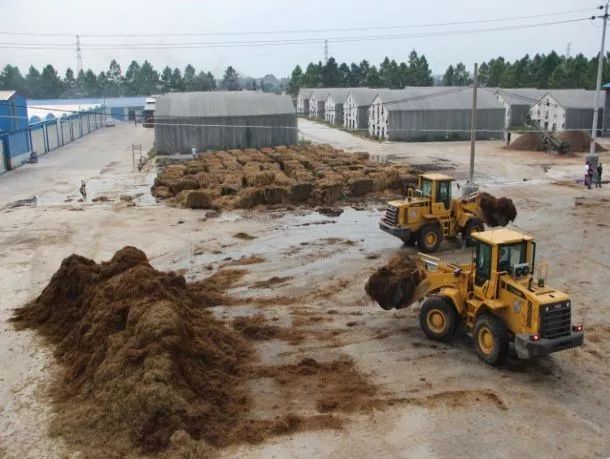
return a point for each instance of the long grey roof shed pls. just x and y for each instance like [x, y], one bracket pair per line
[223, 120]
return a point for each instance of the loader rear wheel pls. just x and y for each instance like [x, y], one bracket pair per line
[429, 238]
[474, 225]
[438, 318]
[491, 339]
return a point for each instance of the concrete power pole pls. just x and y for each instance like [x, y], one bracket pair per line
[325, 51]
[600, 65]
[470, 187]
[79, 57]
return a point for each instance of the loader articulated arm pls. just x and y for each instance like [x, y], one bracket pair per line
[442, 275]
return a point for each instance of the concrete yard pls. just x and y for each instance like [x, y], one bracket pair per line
[447, 402]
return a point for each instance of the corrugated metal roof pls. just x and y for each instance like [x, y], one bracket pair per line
[305, 93]
[437, 98]
[222, 103]
[521, 96]
[339, 95]
[110, 102]
[319, 93]
[363, 96]
[5, 95]
[576, 98]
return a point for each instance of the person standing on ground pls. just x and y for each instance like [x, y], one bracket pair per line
[599, 176]
[508, 138]
[590, 175]
[194, 152]
[83, 189]
[587, 169]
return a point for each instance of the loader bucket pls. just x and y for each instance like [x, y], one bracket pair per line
[393, 285]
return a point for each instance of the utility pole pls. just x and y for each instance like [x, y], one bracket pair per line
[600, 65]
[568, 50]
[470, 187]
[79, 57]
[325, 51]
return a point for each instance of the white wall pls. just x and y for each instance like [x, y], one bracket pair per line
[549, 114]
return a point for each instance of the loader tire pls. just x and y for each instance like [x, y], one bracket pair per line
[438, 318]
[429, 238]
[474, 225]
[491, 339]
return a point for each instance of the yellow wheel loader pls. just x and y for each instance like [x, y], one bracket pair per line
[497, 297]
[429, 214]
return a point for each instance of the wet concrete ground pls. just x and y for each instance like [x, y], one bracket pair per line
[452, 404]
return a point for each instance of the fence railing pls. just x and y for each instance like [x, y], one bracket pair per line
[45, 136]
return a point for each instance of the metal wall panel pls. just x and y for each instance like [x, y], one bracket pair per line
[66, 131]
[52, 135]
[38, 140]
[277, 130]
[2, 159]
[77, 131]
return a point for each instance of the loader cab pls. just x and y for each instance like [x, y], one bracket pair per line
[437, 188]
[497, 252]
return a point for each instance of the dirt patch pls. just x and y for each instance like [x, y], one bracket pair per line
[460, 399]
[101, 198]
[244, 236]
[393, 284]
[257, 328]
[329, 211]
[300, 174]
[335, 386]
[251, 260]
[271, 282]
[497, 211]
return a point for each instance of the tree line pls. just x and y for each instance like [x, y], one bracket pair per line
[137, 80]
[390, 74]
[545, 71]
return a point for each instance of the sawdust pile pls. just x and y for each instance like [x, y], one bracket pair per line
[393, 285]
[578, 141]
[300, 174]
[497, 211]
[529, 141]
[142, 358]
[147, 368]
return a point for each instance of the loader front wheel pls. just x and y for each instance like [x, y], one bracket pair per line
[473, 226]
[438, 318]
[491, 339]
[429, 238]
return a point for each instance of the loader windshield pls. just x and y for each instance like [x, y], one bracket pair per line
[426, 187]
[510, 255]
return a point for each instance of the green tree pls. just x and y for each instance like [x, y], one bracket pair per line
[449, 76]
[69, 84]
[312, 78]
[296, 79]
[423, 74]
[147, 81]
[132, 76]
[32, 80]
[330, 74]
[166, 79]
[114, 84]
[372, 79]
[102, 85]
[461, 77]
[11, 78]
[50, 84]
[90, 87]
[345, 75]
[356, 77]
[190, 77]
[230, 79]
[497, 68]
[176, 82]
[483, 76]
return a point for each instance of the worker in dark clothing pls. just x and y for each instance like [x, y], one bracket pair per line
[83, 189]
[598, 183]
[508, 138]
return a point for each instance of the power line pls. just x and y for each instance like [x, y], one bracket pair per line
[303, 31]
[257, 43]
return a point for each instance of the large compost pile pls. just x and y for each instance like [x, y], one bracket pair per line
[393, 285]
[300, 174]
[497, 211]
[142, 358]
[578, 141]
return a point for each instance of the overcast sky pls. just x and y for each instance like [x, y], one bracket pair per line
[203, 16]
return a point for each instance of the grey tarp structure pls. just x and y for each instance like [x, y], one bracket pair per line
[429, 113]
[223, 120]
[303, 101]
[518, 102]
[578, 104]
[333, 112]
